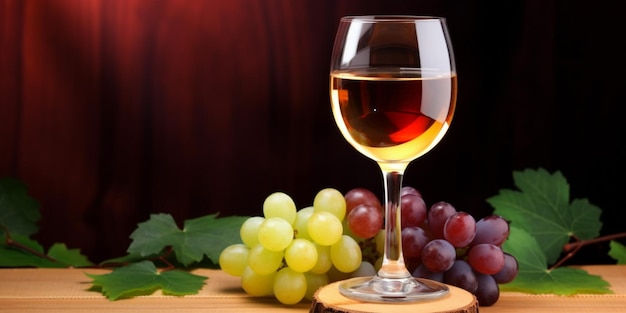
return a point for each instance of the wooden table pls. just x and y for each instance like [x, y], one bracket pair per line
[67, 291]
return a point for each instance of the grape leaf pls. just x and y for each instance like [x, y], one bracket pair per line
[205, 235]
[19, 213]
[70, 257]
[128, 258]
[542, 207]
[158, 259]
[618, 252]
[143, 278]
[534, 277]
[12, 256]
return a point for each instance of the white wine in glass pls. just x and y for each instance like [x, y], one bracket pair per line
[393, 89]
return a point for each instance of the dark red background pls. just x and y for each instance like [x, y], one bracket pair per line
[114, 109]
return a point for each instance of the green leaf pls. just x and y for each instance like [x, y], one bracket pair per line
[129, 258]
[143, 278]
[542, 207]
[207, 235]
[69, 257]
[618, 252]
[12, 256]
[19, 212]
[156, 258]
[534, 277]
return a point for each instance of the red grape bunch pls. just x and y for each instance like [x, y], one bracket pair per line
[439, 243]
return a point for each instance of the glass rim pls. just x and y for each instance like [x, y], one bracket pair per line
[391, 18]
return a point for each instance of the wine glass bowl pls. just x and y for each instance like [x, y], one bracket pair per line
[393, 90]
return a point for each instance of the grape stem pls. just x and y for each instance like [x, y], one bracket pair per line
[163, 258]
[12, 243]
[573, 247]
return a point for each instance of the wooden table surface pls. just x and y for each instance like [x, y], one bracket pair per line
[67, 291]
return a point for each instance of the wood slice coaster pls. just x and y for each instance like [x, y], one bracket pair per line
[328, 300]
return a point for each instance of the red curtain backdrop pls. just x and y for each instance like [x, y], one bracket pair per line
[114, 109]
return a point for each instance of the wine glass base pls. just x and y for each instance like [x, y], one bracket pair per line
[377, 289]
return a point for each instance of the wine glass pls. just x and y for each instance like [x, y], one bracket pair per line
[393, 92]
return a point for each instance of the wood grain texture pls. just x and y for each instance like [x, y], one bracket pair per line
[68, 290]
[328, 300]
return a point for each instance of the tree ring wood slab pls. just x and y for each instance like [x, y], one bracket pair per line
[328, 300]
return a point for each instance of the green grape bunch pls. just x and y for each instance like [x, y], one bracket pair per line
[289, 253]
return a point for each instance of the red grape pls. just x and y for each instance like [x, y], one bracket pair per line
[413, 210]
[508, 271]
[437, 217]
[365, 221]
[438, 255]
[407, 190]
[413, 241]
[491, 229]
[461, 275]
[459, 229]
[423, 272]
[357, 196]
[488, 291]
[486, 258]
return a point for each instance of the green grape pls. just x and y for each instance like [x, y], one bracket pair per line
[264, 261]
[379, 263]
[256, 284]
[380, 241]
[289, 286]
[301, 255]
[300, 225]
[323, 259]
[234, 259]
[249, 231]
[324, 228]
[335, 275]
[313, 283]
[364, 269]
[279, 204]
[368, 249]
[346, 254]
[332, 201]
[346, 229]
[275, 234]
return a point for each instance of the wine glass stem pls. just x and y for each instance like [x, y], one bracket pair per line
[393, 262]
